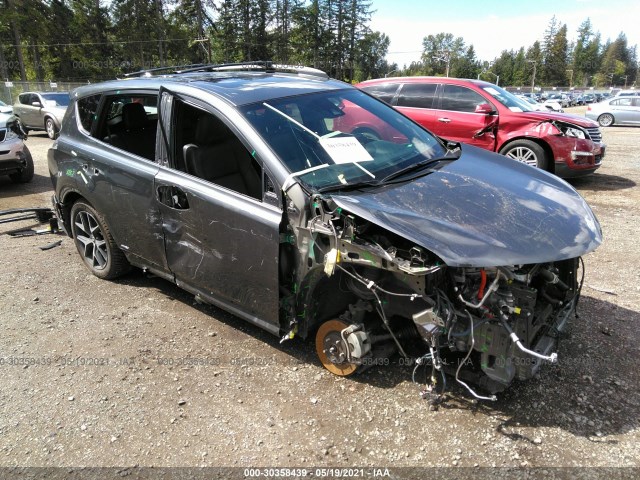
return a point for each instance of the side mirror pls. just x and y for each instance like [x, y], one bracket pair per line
[484, 108]
[36, 104]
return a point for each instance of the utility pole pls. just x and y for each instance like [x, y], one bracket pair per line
[445, 55]
[570, 78]
[206, 44]
[533, 79]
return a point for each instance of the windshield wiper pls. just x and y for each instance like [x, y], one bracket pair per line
[349, 186]
[453, 153]
[414, 167]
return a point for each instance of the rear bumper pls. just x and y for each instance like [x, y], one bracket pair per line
[58, 207]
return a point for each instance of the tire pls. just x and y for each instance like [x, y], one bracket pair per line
[95, 244]
[50, 128]
[527, 151]
[25, 175]
[606, 120]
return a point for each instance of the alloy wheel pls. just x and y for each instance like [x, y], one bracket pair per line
[524, 155]
[90, 240]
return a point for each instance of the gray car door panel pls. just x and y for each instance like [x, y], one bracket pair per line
[120, 186]
[221, 244]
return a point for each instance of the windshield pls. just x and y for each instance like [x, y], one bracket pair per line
[341, 138]
[56, 99]
[507, 99]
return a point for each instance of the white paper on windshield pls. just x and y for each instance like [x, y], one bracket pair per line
[345, 149]
[515, 109]
[492, 91]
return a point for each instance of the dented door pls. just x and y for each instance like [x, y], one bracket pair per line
[222, 244]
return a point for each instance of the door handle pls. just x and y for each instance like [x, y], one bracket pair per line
[444, 120]
[173, 197]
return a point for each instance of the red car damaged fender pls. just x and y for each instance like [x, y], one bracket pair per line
[487, 116]
[572, 156]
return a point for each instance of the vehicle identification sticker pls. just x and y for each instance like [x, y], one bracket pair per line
[345, 149]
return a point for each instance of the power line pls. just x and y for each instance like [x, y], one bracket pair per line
[123, 42]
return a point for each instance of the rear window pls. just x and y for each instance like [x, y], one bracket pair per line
[417, 95]
[384, 91]
[56, 99]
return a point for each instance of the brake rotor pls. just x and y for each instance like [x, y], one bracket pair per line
[331, 349]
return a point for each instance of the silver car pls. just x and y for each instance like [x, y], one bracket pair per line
[15, 158]
[42, 110]
[616, 111]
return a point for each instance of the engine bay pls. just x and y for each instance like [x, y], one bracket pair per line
[368, 294]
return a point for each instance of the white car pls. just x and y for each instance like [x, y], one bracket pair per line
[4, 108]
[537, 107]
[553, 104]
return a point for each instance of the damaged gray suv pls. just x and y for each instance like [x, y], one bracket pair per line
[311, 209]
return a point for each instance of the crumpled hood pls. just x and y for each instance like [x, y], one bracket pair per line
[483, 210]
[543, 116]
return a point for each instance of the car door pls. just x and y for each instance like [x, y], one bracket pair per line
[221, 241]
[623, 110]
[29, 112]
[456, 118]
[416, 101]
[116, 175]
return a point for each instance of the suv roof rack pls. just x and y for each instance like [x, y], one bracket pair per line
[258, 65]
[172, 69]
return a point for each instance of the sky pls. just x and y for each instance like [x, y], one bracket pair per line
[492, 26]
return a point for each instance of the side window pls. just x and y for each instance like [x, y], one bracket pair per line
[622, 102]
[87, 108]
[418, 95]
[460, 99]
[24, 98]
[207, 148]
[129, 122]
[384, 91]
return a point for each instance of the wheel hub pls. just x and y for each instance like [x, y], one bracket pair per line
[332, 350]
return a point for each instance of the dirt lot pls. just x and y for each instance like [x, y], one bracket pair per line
[183, 384]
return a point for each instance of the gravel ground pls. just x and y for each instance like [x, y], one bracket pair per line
[135, 373]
